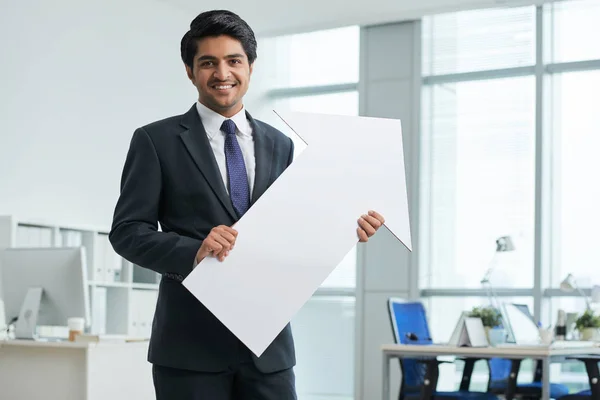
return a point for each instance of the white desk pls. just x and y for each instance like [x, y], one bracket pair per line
[74, 371]
[545, 354]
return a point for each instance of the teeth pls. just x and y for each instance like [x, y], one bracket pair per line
[223, 87]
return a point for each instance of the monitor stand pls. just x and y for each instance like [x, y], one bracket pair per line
[26, 325]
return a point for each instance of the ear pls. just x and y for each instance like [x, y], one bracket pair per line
[251, 68]
[189, 72]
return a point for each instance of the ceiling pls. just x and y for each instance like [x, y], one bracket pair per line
[278, 17]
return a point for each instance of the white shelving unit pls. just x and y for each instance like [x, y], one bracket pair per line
[122, 295]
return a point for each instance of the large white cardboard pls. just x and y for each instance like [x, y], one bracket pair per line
[301, 228]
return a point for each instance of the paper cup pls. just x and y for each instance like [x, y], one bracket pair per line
[76, 326]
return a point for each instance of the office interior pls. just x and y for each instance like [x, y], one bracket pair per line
[500, 125]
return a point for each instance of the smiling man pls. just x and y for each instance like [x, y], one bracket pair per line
[196, 174]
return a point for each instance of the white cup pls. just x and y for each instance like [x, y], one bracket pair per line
[76, 326]
[546, 336]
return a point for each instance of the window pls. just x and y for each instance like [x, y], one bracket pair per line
[571, 27]
[491, 154]
[479, 150]
[311, 60]
[576, 131]
[478, 40]
[343, 103]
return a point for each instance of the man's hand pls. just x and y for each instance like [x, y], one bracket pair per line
[368, 225]
[219, 243]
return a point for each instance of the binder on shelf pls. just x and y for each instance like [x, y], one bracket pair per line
[71, 238]
[143, 303]
[99, 310]
[33, 236]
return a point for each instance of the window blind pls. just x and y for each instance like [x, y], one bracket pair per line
[478, 40]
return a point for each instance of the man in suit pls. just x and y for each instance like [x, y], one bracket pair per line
[196, 174]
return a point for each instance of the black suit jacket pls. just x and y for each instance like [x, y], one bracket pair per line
[171, 177]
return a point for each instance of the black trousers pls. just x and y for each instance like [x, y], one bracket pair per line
[242, 382]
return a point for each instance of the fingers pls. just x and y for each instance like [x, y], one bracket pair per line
[378, 216]
[227, 233]
[362, 235]
[227, 236]
[374, 222]
[368, 224]
[211, 245]
[221, 241]
[225, 246]
[227, 229]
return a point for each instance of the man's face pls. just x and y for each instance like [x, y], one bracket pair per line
[221, 74]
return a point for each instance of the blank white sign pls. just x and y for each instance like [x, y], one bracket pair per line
[293, 237]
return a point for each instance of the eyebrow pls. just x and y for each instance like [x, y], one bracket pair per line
[211, 58]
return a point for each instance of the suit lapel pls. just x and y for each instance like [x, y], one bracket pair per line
[196, 141]
[263, 154]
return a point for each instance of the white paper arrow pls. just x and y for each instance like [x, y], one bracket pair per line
[302, 227]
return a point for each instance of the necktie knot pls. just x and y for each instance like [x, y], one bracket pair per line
[228, 127]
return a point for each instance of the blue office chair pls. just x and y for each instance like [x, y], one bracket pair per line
[593, 372]
[420, 376]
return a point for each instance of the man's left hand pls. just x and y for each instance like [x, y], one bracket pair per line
[368, 224]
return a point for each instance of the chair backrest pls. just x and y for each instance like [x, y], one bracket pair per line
[409, 326]
[499, 372]
[409, 321]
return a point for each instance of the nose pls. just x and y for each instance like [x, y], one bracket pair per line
[222, 72]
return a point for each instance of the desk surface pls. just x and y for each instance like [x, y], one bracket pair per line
[504, 351]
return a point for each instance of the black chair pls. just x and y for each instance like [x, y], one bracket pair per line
[591, 366]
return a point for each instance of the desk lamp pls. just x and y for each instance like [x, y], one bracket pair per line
[503, 244]
[569, 284]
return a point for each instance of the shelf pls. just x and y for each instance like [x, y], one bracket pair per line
[111, 284]
[151, 286]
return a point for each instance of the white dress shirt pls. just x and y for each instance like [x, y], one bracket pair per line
[212, 122]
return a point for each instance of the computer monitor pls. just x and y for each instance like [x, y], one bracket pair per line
[520, 324]
[43, 287]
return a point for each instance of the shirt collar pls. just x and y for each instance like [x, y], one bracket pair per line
[212, 121]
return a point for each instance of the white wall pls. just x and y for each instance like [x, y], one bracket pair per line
[77, 79]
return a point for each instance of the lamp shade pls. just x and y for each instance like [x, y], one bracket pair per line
[568, 284]
[504, 243]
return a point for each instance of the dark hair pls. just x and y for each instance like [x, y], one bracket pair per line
[216, 23]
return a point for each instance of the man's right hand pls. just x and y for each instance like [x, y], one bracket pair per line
[219, 243]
